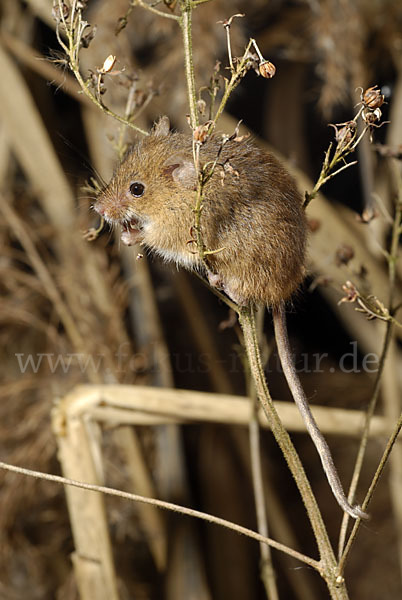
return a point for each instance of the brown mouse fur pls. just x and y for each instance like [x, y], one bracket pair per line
[251, 209]
[252, 213]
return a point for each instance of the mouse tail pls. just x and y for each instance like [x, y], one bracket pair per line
[301, 401]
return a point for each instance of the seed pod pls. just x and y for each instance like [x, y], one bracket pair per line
[371, 116]
[372, 98]
[109, 63]
[201, 106]
[267, 69]
[200, 133]
[60, 11]
[346, 134]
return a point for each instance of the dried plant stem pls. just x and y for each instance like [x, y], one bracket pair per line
[392, 259]
[267, 572]
[370, 493]
[42, 272]
[154, 10]
[166, 505]
[186, 8]
[342, 150]
[266, 567]
[364, 438]
[327, 558]
[237, 76]
[74, 31]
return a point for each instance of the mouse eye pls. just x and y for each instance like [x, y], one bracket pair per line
[137, 189]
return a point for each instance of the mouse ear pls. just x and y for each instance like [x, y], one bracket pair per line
[181, 170]
[161, 127]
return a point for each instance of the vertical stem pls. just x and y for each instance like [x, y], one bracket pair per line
[186, 27]
[267, 570]
[337, 588]
[370, 492]
[392, 258]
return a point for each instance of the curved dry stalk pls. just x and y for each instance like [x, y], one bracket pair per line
[166, 505]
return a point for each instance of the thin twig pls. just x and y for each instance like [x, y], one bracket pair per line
[369, 494]
[154, 10]
[266, 566]
[185, 24]
[74, 32]
[166, 505]
[392, 257]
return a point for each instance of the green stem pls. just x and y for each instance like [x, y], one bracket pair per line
[328, 563]
[186, 27]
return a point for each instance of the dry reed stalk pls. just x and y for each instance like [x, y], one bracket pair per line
[123, 404]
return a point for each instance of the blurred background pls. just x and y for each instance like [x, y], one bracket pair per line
[75, 311]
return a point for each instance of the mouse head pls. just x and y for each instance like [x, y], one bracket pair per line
[153, 185]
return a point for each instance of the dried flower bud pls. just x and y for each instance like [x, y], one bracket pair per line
[267, 69]
[371, 116]
[200, 133]
[351, 293]
[60, 11]
[201, 106]
[88, 37]
[171, 4]
[372, 98]
[139, 98]
[108, 65]
[346, 134]
[344, 255]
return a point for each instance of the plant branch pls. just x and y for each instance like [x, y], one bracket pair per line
[266, 567]
[74, 30]
[327, 558]
[186, 27]
[154, 10]
[166, 505]
[370, 493]
[392, 256]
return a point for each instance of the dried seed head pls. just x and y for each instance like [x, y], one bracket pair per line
[351, 293]
[267, 69]
[60, 11]
[88, 37]
[200, 133]
[201, 106]
[371, 117]
[108, 65]
[346, 134]
[372, 98]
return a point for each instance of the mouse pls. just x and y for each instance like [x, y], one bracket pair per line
[252, 225]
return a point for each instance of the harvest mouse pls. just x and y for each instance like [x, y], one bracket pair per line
[252, 220]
